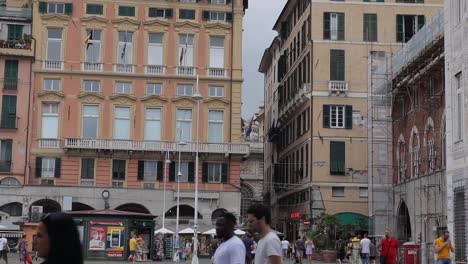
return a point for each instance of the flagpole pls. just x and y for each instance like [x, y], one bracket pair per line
[197, 96]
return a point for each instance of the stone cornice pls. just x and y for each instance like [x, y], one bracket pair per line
[51, 95]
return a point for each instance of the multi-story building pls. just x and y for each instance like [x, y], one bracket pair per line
[322, 75]
[456, 83]
[115, 96]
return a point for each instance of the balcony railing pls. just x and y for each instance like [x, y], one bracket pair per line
[155, 69]
[216, 72]
[91, 66]
[53, 65]
[49, 143]
[183, 70]
[137, 145]
[298, 99]
[337, 86]
[10, 84]
[124, 68]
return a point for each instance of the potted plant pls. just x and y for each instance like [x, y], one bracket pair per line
[27, 40]
[324, 237]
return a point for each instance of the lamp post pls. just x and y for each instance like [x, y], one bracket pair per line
[179, 174]
[197, 97]
[166, 162]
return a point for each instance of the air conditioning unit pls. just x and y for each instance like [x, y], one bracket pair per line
[47, 181]
[36, 213]
[148, 185]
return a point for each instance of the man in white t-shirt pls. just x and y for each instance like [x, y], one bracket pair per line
[365, 249]
[269, 247]
[3, 247]
[232, 249]
[284, 247]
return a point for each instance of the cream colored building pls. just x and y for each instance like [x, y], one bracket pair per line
[322, 81]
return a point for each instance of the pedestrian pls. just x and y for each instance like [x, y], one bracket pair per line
[132, 245]
[293, 251]
[309, 246]
[300, 247]
[388, 248]
[365, 249]
[340, 247]
[232, 249]
[373, 252]
[4, 249]
[443, 247]
[356, 257]
[248, 242]
[285, 247]
[22, 249]
[269, 246]
[213, 246]
[349, 249]
[188, 250]
[57, 240]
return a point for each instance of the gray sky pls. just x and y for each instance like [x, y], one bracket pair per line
[258, 22]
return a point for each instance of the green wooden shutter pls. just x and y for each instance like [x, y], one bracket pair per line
[349, 117]
[337, 157]
[15, 32]
[205, 172]
[58, 167]
[206, 15]
[38, 167]
[131, 11]
[224, 173]
[370, 27]
[160, 169]
[94, 9]
[123, 11]
[11, 75]
[326, 116]
[421, 21]
[191, 172]
[68, 8]
[229, 17]
[141, 170]
[42, 7]
[8, 111]
[341, 26]
[326, 25]
[374, 28]
[399, 28]
[169, 13]
[172, 173]
[337, 65]
[8, 149]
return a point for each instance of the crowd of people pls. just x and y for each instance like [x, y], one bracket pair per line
[138, 249]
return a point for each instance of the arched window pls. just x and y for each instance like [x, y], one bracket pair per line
[401, 158]
[13, 209]
[9, 181]
[246, 200]
[430, 145]
[185, 212]
[133, 207]
[414, 151]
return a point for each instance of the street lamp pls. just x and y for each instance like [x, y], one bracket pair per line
[179, 174]
[197, 97]
[166, 163]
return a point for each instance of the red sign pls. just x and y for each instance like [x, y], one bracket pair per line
[115, 254]
[296, 215]
[306, 223]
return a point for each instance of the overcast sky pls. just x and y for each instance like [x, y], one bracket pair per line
[258, 34]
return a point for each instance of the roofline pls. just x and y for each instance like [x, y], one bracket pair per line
[286, 6]
[261, 67]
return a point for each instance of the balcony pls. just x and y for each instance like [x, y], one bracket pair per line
[91, 66]
[187, 71]
[155, 69]
[217, 72]
[53, 65]
[137, 145]
[298, 99]
[15, 47]
[337, 87]
[256, 147]
[10, 84]
[49, 143]
[124, 68]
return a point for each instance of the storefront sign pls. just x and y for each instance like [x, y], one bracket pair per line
[113, 223]
[116, 238]
[115, 254]
[307, 223]
[97, 238]
[296, 215]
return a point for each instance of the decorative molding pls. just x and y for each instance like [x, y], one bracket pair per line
[184, 101]
[50, 95]
[94, 22]
[122, 98]
[91, 97]
[126, 24]
[216, 102]
[154, 100]
[156, 25]
[186, 26]
[54, 19]
[217, 28]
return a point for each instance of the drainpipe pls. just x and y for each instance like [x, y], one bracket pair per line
[231, 82]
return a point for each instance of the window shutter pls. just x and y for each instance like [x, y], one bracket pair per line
[191, 172]
[169, 13]
[68, 8]
[205, 172]
[8, 111]
[341, 65]
[337, 158]
[337, 64]
[38, 167]
[141, 170]
[160, 173]
[326, 25]
[421, 21]
[8, 149]
[399, 29]
[284, 30]
[122, 11]
[349, 117]
[373, 28]
[224, 173]
[131, 11]
[152, 12]
[326, 116]
[341, 26]
[58, 167]
[11, 74]
[172, 172]
[228, 2]
[42, 7]
[206, 15]
[229, 17]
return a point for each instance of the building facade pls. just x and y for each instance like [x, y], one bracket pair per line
[322, 75]
[456, 80]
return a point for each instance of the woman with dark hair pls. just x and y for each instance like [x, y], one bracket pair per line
[22, 249]
[58, 241]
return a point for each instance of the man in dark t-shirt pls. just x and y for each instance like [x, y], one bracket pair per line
[248, 242]
[300, 248]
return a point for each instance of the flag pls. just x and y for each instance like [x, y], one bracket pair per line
[88, 38]
[183, 52]
[122, 56]
[249, 128]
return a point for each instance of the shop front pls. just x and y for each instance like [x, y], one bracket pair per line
[105, 234]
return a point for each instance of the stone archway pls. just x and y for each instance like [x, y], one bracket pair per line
[133, 207]
[247, 199]
[76, 206]
[403, 223]
[13, 209]
[185, 212]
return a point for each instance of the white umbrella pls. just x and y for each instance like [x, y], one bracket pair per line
[163, 231]
[239, 232]
[186, 231]
[210, 232]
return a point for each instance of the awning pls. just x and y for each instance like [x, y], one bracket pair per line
[11, 234]
[358, 220]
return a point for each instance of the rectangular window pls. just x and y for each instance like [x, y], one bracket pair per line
[150, 171]
[94, 9]
[54, 44]
[93, 48]
[8, 111]
[216, 52]
[127, 11]
[184, 124]
[333, 26]
[123, 88]
[90, 121]
[184, 89]
[125, 48]
[6, 148]
[363, 192]
[215, 170]
[337, 116]
[118, 169]
[186, 50]
[337, 119]
[56, 8]
[91, 86]
[52, 84]
[154, 88]
[337, 158]
[215, 126]
[122, 123]
[159, 12]
[11, 75]
[153, 124]
[87, 169]
[338, 191]
[215, 91]
[370, 27]
[337, 65]
[459, 107]
[155, 48]
[50, 116]
[408, 25]
[186, 14]
[48, 168]
[15, 32]
[184, 171]
[217, 16]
